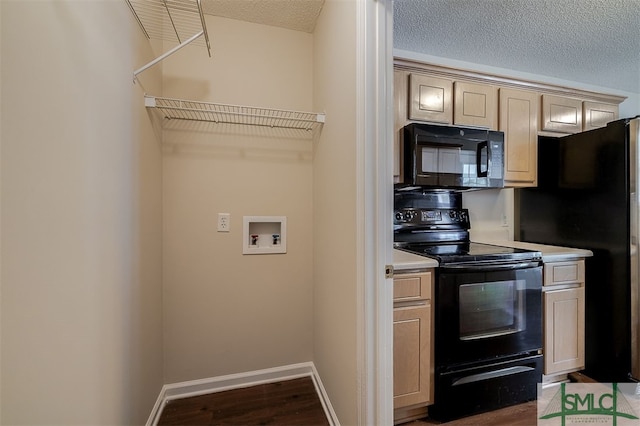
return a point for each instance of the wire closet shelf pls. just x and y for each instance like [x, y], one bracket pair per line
[179, 21]
[234, 114]
[183, 22]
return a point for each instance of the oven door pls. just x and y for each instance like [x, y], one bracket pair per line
[487, 311]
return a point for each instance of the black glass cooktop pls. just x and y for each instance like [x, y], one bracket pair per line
[469, 252]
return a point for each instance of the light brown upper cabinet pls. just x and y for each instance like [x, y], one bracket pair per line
[430, 99]
[400, 105]
[519, 122]
[598, 114]
[475, 105]
[560, 114]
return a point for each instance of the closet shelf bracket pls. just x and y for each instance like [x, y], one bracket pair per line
[181, 109]
[178, 21]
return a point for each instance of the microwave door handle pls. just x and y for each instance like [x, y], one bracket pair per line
[482, 145]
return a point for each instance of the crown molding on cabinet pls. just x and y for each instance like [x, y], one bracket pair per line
[502, 81]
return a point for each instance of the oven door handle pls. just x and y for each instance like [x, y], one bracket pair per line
[492, 375]
[490, 266]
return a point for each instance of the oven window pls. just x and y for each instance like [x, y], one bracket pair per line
[492, 309]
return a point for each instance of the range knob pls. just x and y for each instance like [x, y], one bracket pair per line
[399, 216]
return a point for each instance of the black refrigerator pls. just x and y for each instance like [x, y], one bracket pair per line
[587, 198]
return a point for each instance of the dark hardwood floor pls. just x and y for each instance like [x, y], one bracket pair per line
[516, 415]
[295, 402]
[291, 402]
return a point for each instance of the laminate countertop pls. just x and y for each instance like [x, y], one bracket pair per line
[403, 261]
[549, 253]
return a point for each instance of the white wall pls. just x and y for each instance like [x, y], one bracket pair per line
[81, 323]
[335, 197]
[226, 312]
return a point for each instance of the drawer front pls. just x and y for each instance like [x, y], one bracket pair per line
[556, 273]
[412, 286]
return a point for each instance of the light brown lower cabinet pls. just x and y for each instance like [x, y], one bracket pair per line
[412, 345]
[564, 318]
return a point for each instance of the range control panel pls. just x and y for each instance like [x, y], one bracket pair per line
[426, 217]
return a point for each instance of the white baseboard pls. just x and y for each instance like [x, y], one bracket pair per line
[242, 380]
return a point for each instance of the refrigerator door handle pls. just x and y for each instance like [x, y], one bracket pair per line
[634, 185]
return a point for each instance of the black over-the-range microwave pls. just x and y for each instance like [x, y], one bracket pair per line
[452, 157]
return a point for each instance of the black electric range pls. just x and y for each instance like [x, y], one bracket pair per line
[487, 308]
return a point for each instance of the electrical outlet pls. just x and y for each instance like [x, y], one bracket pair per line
[224, 222]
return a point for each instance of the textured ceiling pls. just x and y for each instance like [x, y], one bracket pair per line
[299, 15]
[596, 42]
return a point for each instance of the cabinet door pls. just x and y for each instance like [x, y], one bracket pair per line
[412, 355]
[561, 114]
[519, 122]
[563, 330]
[430, 99]
[400, 92]
[475, 105]
[598, 115]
